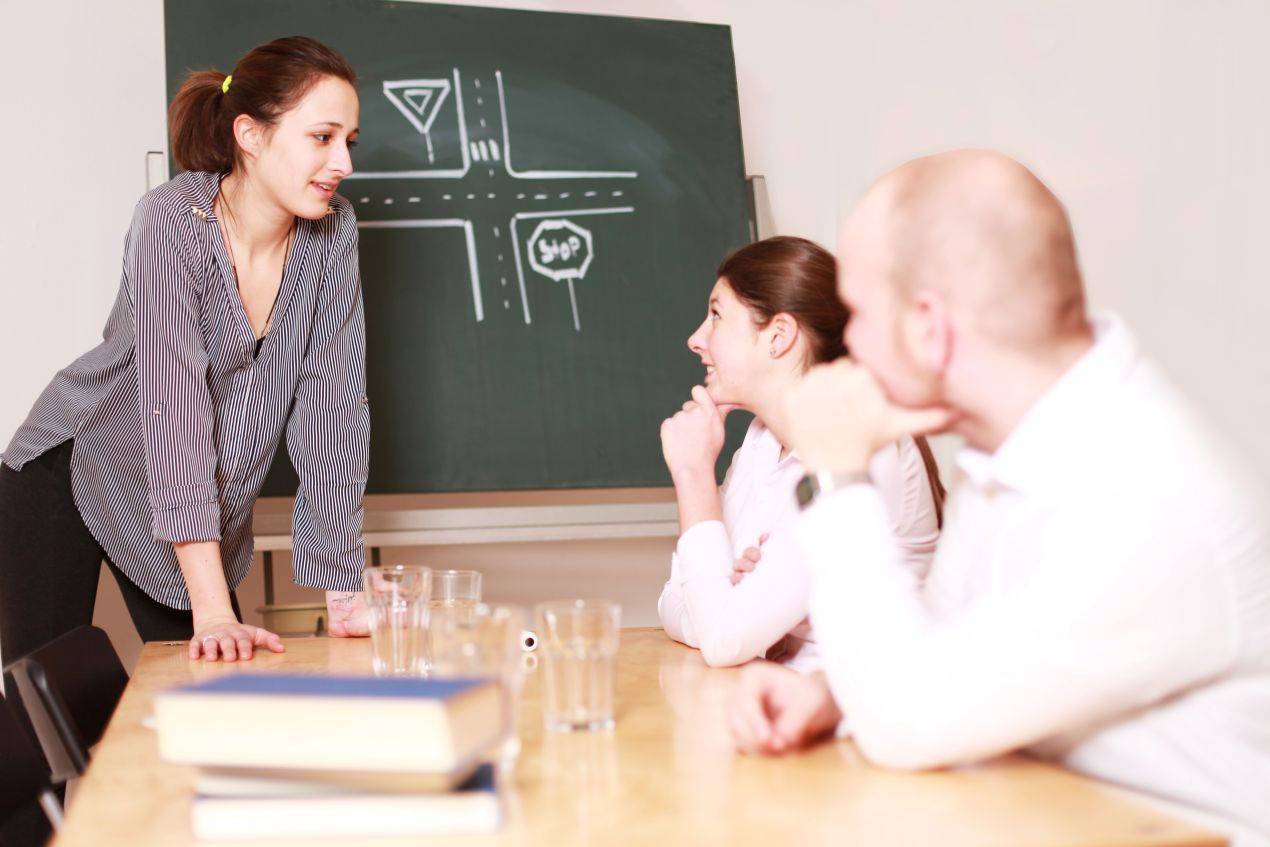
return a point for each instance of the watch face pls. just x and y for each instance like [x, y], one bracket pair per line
[806, 490]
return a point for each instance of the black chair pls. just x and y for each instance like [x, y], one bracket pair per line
[69, 688]
[24, 779]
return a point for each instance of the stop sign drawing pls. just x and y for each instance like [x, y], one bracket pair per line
[562, 251]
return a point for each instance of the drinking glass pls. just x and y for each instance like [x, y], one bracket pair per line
[397, 603]
[578, 642]
[485, 642]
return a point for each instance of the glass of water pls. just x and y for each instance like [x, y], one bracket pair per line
[397, 602]
[578, 642]
[456, 589]
[485, 642]
[454, 595]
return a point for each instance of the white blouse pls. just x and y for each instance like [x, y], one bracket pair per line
[732, 624]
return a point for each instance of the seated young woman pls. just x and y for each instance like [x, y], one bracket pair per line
[737, 588]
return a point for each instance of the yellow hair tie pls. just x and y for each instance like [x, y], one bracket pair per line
[224, 86]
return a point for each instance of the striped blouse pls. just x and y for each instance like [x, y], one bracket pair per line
[175, 418]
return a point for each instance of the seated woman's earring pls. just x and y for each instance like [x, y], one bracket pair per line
[772, 351]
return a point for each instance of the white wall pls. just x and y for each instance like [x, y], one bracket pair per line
[1147, 118]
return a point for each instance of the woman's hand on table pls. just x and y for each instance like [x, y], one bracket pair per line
[347, 614]
[225, 639]
[218, 634]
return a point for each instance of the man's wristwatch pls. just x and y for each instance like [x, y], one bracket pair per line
[815, 485]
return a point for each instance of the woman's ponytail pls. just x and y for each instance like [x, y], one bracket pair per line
[201, 122]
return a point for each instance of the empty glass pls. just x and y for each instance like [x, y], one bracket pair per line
[485, 642]
[397, 603]
[578, 642]
[454, 595]
[456, 589]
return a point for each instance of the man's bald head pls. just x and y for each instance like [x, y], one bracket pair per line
[982, 231]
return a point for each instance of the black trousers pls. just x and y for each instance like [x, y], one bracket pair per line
[50, 564]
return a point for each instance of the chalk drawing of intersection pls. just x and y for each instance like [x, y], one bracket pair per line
[487, 172]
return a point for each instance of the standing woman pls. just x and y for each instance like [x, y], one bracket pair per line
[239, 314]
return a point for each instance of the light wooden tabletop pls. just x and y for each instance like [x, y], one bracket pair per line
[667, 775]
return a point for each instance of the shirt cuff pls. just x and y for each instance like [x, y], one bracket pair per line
[345, 575]
[186, 524]
[698, 549]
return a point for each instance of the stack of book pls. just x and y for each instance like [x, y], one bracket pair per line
[308, 757]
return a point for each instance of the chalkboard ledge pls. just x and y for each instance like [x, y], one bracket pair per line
[409, 520]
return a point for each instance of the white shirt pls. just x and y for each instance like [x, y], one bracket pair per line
[732, 624]
[1100, 595]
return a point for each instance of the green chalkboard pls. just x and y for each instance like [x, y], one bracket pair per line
[542, 200]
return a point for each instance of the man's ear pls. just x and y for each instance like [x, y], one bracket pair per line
[928, 331]
[783, 332]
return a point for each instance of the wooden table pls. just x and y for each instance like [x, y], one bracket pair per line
[668, 775]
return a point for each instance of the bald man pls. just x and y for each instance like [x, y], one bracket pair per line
[1101, 592]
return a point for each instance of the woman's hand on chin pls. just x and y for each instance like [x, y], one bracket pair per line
[692, 438]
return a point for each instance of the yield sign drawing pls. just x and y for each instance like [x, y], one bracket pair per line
[419, 101]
